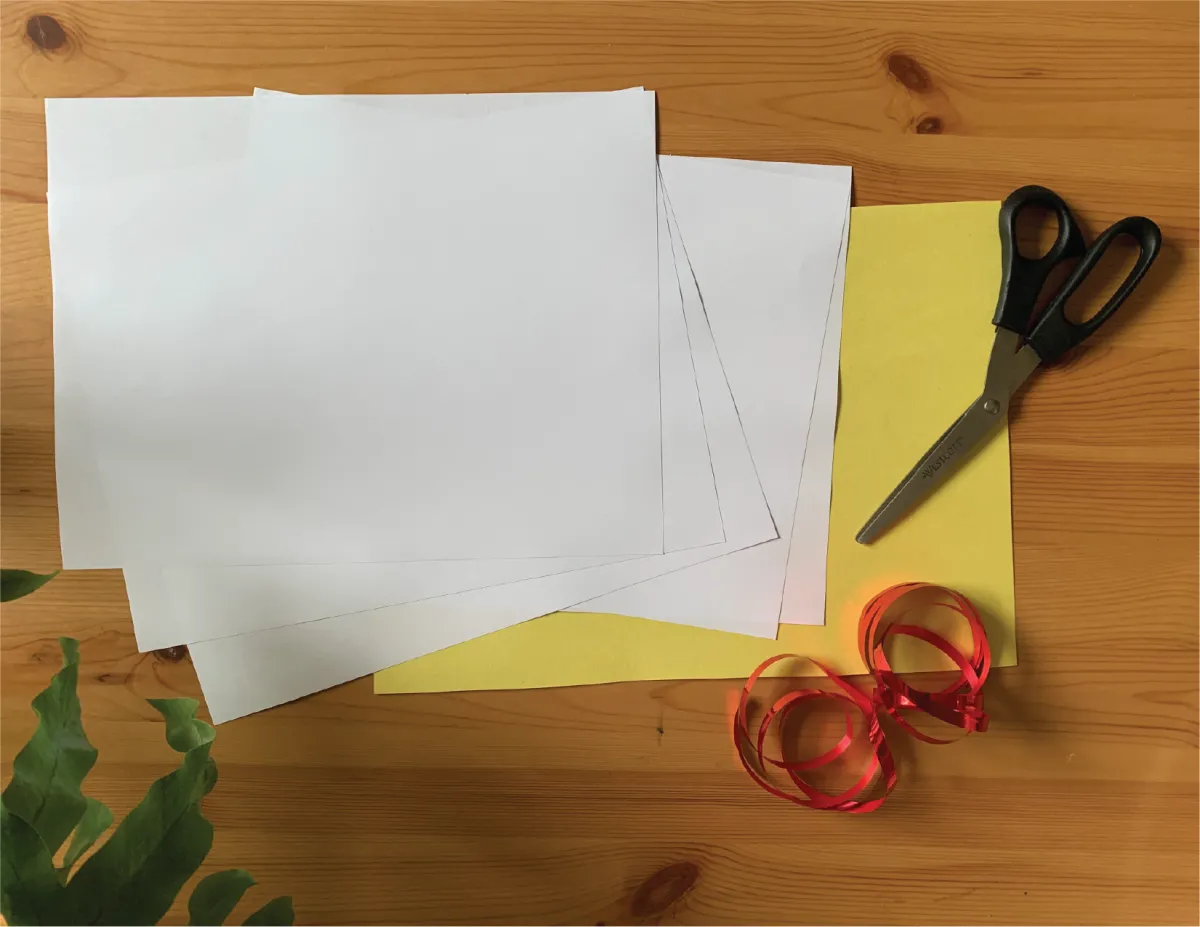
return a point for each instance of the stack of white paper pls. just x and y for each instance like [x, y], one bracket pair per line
[341, 381]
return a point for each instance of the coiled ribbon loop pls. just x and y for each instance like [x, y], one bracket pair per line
[959, 704]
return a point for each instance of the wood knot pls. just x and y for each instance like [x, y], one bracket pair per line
[118, 679]
[929, 125]
[663, 889]
[909, 72]
[45, 32]
[172, 654]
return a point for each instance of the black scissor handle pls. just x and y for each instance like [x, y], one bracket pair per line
[1054, 333]
[1022, 278]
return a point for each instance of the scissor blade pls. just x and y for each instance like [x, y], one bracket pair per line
[939, 463]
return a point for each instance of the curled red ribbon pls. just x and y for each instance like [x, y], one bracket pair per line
[959, 704]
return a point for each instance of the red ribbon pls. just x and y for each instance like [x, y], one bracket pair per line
[959, 704]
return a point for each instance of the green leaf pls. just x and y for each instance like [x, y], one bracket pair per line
[277, 911]
[184, 730]
[95, 821]
[30, 892]
[217, 895]
[48, 772]
[17, 583]
[210, 775]
[149, 894]
[135, 876]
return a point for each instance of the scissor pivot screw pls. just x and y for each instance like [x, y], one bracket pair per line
[991, 407]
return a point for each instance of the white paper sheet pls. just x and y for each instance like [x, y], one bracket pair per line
[95, 141]
[767, 234]
[182, 605]
[484, 352]
[459, 615]
[244, 674]
[804, 578]
[691, 514]
[251, 672]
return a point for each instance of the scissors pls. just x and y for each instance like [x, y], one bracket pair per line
[1024, 340]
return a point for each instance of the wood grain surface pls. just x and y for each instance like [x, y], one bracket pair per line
[624, 803]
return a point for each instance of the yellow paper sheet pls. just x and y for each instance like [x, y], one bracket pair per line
[921, 285]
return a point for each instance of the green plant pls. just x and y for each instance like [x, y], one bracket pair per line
[16, 583]
[134, 876]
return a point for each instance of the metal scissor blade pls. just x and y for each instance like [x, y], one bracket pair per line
[940, 461]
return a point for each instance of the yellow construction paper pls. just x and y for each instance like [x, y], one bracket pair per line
[921, 284]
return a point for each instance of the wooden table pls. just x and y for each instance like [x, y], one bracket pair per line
[624, 803]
